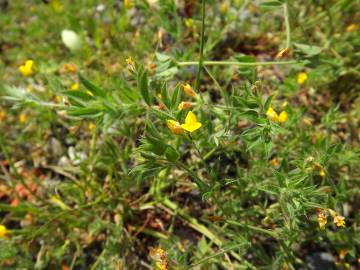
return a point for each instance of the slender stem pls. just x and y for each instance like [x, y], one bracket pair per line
[287, 25]
[201, 60]
[236, 63]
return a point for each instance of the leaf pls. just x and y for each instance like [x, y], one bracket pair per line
[309, 50]
[165, 95]
[143, 86]
[271, 4]
[171, 154]
[91, 87]
[84, 112]
[176, 98]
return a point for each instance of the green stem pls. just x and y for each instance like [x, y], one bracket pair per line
[201, 60]
[287, 25]
[236, 63]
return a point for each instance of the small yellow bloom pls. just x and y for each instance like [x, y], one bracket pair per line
[69, 67]
[26, 69]
[358, 260]
[322, 219]
[283, 117]
[184, 105]
[2, 115]
[58, 99]
[22, 118]
[322, 173]
[89, 93]
[157, 254]
[130, 61]
[302, 78]
[3, 231]
[128, 3]
[191, 124]
[91, 126]
[75, 86]
[272, 114]
[224, 7]
[189, 22]
[174, 126]
[351, 28]
[162, 265]
[342, 254]
[338, 220]
[188, 90]
[274, 162]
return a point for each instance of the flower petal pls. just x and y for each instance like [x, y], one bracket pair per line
[190, 118]
[191, 128]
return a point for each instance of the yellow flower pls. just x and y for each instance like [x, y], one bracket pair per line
[128, 3]
[188, 90]
[224, 7]
[338, 220]
[71, 68]
[322, 219]
[3, 231]
[22, 118]
[191, 124]
[184, 105]
[351, 28]
[26, 69]
[302, 78]
[162, 265]
[283, 117]
[342, 254]
[58, 99]
[2, 115]
[75, 86]
[272, 114]
[174, 126]
[157, 254]
[322, 173]
[91, 126]
[274, 162]
[189, 22]
[130, 61]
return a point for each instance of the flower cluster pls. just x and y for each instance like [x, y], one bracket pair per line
[191, 124]
[274, 116]
[338, 220]
[159, 256]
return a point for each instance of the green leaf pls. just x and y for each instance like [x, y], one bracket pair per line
[84, 112]
[171, 154]
[165, 96]
[91, 87]
[271, 4]
[176, 98]
[143, 86]
[309, 50]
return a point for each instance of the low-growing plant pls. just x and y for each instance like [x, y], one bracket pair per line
[218, 149]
